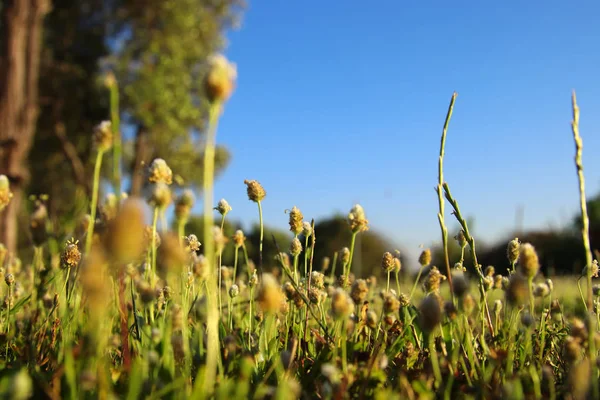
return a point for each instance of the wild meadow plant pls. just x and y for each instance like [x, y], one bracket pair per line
[123, 309]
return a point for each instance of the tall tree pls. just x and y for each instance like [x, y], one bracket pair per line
[71, 101]
[20, 44]
[163, 47]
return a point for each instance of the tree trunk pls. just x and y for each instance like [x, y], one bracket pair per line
[20, 36]
[141, 158]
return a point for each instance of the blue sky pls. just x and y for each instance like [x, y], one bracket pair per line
[340, 103]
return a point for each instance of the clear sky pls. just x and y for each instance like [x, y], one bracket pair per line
[340, 103]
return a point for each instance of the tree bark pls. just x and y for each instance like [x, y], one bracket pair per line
[141, 158]
[22, 23]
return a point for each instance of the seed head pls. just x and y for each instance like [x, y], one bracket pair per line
[315, 295]
[467, 304]
[184, 204]
[253, 280]
[498, 279]
[528, 260]
[397, 264]
[341, 304]
[541, 290]
[357, 219]
[430, 313]
[425, 258]
[126, 239]
[512, 251]
[295, 247]
[9, 279]
[403, 299]
[497, 306]
[307, 229]
[317, 279]
[372, 319]
[490, 271]
[460, 284]
[295, 220]
[345, 255]
[593, 270]
[325, 263]
[450, 310]
[234, 291]
[238, 238]
[37, 223]
[572, 349]
[460, 238]
[160, 172]
[488, 283]
[223, 207]
[161, 195]
[5, 193]
[527, 320]
[517, 290]
[220, 78]
[171, 256]
[94, 280]
[71, 255]
[390, 303]
[255, 190]
[199, 266]
[269, 294]
[359, 291]
[103, 136]
[387, 262]
[192, 243]
[149, 238]
[433, 280]
[460, 267]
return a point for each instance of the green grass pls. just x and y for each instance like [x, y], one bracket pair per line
[137, 312]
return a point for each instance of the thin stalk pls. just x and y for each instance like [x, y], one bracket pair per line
[335, 257]
[235, 262]
[260, 247]
[531, 297]
[94, 205]
[153, 247]
[440, 190]
[213, 353]
[435, 363]
[412, 292]
[585, 234]
[306, 256]
[387, 289]
[471, 241]
[115, 122]
[348, 267]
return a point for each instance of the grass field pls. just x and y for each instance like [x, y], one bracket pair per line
[128, 309]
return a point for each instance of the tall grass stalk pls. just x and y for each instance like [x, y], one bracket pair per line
[115, 123]
[94, 203]
[585, 235]
[213, 353]
[440, 192]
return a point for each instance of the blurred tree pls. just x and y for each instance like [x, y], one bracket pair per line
[71, 102]
[158, 49]
[333, 234]
[593, 209]
[560, 252]
[21, 26]
[283, 238]
[161, 49]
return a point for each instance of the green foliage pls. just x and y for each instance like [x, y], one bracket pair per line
[333, 234]
[72, 102]
[160, 65]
